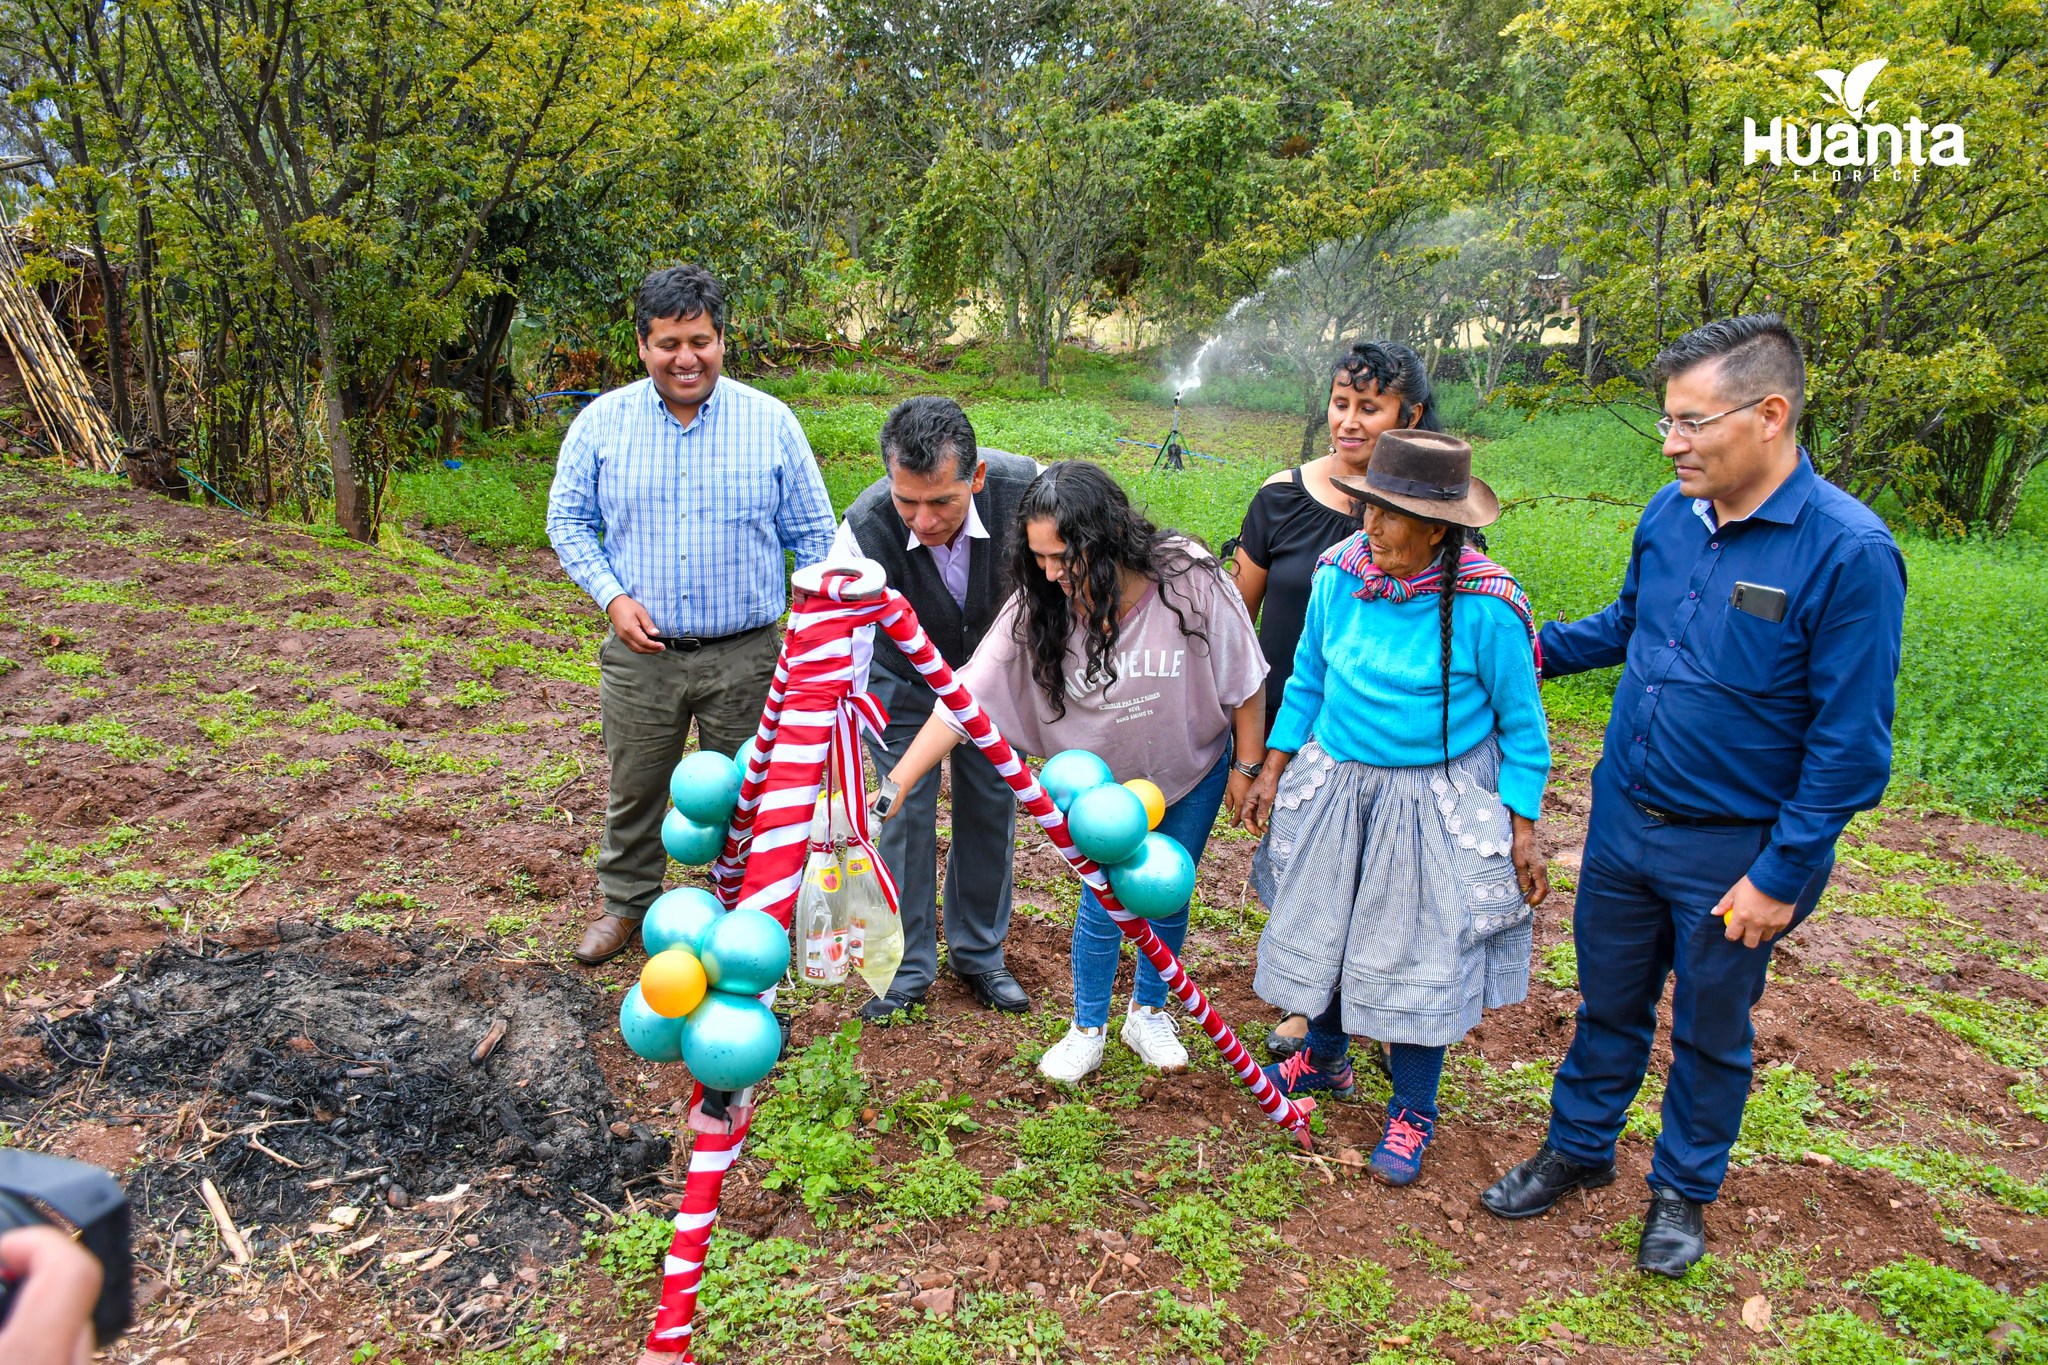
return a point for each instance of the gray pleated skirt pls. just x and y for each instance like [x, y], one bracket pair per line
[1398, 885]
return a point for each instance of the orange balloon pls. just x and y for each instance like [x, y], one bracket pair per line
[1154, 799]
[672, 983]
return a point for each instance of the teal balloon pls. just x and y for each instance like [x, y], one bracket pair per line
[705, 787]
[744, 757]
[647, 1033]
[1069, 773]
[1108, 823]
[690, 843]
[679, 919]
[745, 953]
[1157, 881]
[730, 1041]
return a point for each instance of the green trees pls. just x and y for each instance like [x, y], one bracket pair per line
[1332, 252]
[1916, 286]
[372, 148]
[317, 232]
[354, 177]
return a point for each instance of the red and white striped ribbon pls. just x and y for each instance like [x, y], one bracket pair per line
[901, 626]
[762, 866]
[861, 711]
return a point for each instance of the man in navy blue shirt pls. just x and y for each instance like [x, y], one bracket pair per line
[1759, 625]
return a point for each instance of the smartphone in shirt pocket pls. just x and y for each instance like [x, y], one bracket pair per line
[1753, 638]
[1766, 604]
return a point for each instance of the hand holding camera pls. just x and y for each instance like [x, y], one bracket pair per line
[55, 1283]
[66, 1269]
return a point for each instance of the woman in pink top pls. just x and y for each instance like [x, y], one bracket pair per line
[1127, 641]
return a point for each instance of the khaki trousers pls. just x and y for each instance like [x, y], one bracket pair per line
[648, 702]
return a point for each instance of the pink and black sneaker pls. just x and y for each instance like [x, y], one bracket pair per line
[1299, 1075]
[1398, 1158]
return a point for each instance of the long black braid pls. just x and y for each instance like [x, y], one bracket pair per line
[1449, 553]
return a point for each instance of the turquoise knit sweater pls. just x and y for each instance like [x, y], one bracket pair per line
[1368, 685]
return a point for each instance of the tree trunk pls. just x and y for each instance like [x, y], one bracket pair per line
[498, 328]
[352, 510]
[437, 381]
[1317, 420]
[153, 377]
[117, 351]
[161, 455]
[2008, 503]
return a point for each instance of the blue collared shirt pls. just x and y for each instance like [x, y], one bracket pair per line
[690, 522]
[1720, 712]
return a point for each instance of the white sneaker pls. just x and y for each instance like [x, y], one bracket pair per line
[1149, 1032]
[1074, 1056]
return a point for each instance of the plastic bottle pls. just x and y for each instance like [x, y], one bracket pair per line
[874, 934]
[821, 905]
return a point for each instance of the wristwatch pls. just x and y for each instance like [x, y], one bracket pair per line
[885, 799]
[1248, 769]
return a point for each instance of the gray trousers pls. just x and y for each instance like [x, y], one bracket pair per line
[648, 702]
[978, 870]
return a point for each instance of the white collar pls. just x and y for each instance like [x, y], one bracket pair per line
[975, 530]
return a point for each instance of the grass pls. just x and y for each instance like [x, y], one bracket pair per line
[498, 498]
[1956, 1315]
[985, 1326]
[929, 1190]
[629, 1251]
[1572, 482]
[1199, 1233]
[73, 663]
[1787, 1117]
[112, 735]
[805, 1126]
[749, 1300]
[1838, 1337]
[1060, 1176]
[1200, 1332]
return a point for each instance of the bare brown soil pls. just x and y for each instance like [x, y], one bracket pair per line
[285, 1024]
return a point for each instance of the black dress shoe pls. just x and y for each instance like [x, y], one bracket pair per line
[885, 1011]
[1674, 1234]
[997, 990]
[1532, 1187]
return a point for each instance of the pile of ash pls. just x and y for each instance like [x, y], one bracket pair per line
[354, 1069]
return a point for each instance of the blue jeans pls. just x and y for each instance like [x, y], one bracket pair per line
[1644, 912]
[1097, 940]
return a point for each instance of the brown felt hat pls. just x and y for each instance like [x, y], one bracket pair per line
[1425, 474]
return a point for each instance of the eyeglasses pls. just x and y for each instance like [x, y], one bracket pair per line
[1690, 426]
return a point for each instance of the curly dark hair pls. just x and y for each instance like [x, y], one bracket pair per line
[1397, 370]
[1103, 534]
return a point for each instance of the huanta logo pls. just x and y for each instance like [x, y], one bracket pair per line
[1858, 142]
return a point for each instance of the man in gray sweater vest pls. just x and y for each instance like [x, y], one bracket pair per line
[940, 521]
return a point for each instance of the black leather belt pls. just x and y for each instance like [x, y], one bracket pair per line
[1672, 817]
[690, 644]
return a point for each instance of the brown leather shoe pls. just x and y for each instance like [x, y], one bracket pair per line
[606, 938]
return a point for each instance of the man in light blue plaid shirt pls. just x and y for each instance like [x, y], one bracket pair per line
[675, 499]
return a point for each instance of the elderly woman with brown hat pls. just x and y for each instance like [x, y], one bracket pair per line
[1403, 780]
